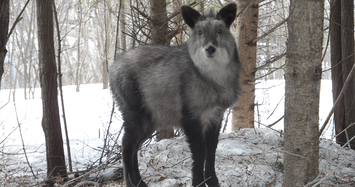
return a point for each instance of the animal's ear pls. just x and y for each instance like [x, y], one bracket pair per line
[190, 15]
[227, 14]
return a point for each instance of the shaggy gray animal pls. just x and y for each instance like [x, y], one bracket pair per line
[188, 86]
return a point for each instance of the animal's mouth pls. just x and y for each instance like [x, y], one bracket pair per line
[210, 55]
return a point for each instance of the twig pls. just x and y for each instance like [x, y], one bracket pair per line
[117, 32]
[319, 179]
[258, 123]
[343, 130]
[8, 100]
[61, 87]
[326, 47]
[23, 143]
[272, 124]
[348, 141]
[18, 19]
[141, 13]
[87, 183]
[101, 165]
[266, 63]
[268, 32]
[270, 72]
[337, 101]
[119, 133]
[226, 121]
[98, 168]
[258, 113]
[2, 141]
[172, 15]
[107, 131]
[339, 62]
[203, 181]
[180, 161]
[244, 8]
[271, 60]
[276, 107]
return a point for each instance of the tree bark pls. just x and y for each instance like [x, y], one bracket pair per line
[107, 25]
[117, 38]
[179, 38]
[159, 31]
[48, 80]
[123, 25]
[4, 28]
[159, 22]
[347, 50]
[303, 72]
[78, 63]
[337, 75]
[243, 114]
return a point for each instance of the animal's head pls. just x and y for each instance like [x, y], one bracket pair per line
[227, 15]
[211, 44]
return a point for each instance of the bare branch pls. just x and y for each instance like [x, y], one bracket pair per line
[172, 15]
[268, 32]
[141, 13]
[337, 101]
[270, 72]
[271, 60]
[272, 124]
[23, 143]
[61, 85]
[268, 62]
[173, 33]
[18, 19]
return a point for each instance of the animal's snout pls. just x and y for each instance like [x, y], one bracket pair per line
[210, 50]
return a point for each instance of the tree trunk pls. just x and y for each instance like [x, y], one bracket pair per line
[120, 44]
[243, 114]
[117, 38]
[159, 31]
[107, 24]
[4, 27]
[48, 80]
[303, 72]
[26, 54]
[347, 50]
[179, 38]
[159, 22]
[78, 63]
[123, 26]
[337, 75]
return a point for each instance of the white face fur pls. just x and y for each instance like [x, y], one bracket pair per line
[214, 67]
[213, 33]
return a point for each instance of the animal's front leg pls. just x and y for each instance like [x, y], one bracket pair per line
[211, 146]
[193, 131]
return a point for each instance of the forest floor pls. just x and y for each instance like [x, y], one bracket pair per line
[249, 157]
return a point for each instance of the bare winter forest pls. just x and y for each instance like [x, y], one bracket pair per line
[295, 115]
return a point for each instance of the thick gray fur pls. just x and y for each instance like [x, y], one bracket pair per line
[188, 86]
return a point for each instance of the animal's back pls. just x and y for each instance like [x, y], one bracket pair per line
[168, 83]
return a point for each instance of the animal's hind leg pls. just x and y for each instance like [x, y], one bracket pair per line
[211, 146]
[136, 132]
[192, 130]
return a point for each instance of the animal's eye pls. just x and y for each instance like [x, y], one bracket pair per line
[219, 31]
[199, 32]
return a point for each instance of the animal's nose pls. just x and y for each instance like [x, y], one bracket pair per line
[210, 50]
